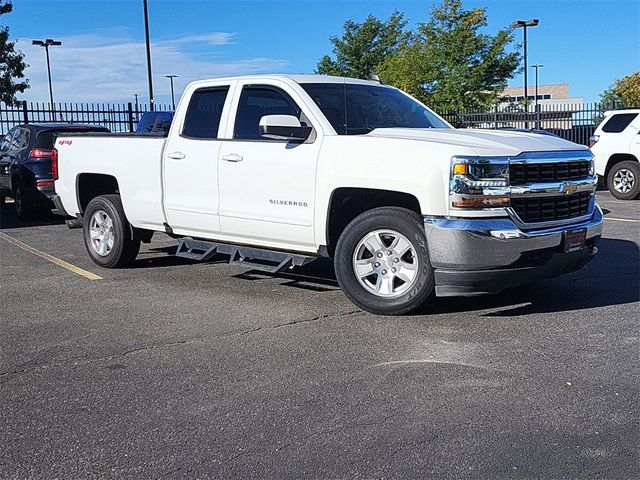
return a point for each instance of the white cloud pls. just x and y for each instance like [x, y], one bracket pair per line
[214, 38]
[103, 68]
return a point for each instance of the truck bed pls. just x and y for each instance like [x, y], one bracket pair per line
[134, 159]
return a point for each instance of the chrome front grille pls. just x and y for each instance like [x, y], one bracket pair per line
[551, 188]
[549, 209]
[522, 173]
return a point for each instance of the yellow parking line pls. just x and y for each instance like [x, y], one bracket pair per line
[622, 219]
[50, 258]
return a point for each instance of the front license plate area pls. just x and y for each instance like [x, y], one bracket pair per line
[574, 240]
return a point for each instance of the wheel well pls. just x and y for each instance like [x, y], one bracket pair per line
[19, 177]
[91, 185]
[347, 203]
[617, 158]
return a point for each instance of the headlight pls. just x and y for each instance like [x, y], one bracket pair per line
[478, 182]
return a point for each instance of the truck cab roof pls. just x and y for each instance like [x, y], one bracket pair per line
[295, 78]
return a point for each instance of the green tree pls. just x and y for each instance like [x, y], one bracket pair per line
[11, 63]
[623, 92]
[610, 97]
[450, 64]
[629, 88]
[363, 46]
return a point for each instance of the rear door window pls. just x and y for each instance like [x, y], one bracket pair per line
[204, 112]
[45, 139]
[618, 122]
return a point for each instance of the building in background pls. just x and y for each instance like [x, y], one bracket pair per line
[553, 93]
[557, 107]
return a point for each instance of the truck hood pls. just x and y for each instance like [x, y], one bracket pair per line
[482, 142]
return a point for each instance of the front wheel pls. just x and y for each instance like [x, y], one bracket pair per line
[624, 180]
[382, 262]
[108, 237]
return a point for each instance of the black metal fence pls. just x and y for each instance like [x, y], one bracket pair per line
[117, 117]
[575, 122]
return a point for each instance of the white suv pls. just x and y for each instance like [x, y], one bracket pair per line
[616, 146]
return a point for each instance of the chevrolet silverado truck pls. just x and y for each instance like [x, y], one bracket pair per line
[275, 171]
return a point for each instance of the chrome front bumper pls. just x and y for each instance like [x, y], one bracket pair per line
[474, 256]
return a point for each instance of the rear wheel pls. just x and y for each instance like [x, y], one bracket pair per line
[24, 209]
[623, 180]
[382, 262]
[108, 237]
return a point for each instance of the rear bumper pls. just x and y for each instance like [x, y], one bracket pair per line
[58, 207]
[479, 256]
[47, 192]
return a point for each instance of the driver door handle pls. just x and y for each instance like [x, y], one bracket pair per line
[176, 155]
[232, 157]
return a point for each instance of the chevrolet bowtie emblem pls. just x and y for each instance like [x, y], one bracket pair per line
[568, 188]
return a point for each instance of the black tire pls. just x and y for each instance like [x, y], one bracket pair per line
[24, 209]
[125, 245]
[630, 170]
[397, 220]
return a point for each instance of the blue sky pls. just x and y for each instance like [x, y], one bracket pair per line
[586, 43]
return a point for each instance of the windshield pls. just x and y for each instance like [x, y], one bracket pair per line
[354, 109]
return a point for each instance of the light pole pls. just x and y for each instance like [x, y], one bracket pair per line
[524, 24]
[137, 108]
[173, 100]
[146, 39]
[537, 66]
[49, 42]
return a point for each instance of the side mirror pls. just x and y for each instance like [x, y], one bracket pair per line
[283, 127]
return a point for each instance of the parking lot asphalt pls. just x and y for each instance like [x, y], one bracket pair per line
[178, 369]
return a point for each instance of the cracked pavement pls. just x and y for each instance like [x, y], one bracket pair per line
[174, 369]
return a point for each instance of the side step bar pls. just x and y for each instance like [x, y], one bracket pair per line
[73, 223]
[264, 260]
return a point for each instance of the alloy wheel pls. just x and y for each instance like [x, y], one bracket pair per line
[624, 180]
[385, 263]
[101, 233]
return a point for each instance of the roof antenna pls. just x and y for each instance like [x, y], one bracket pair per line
[374, 78]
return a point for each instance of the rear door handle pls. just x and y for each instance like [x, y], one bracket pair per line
[232, 157]
[176, 155]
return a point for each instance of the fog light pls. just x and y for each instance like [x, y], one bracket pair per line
[481, 202]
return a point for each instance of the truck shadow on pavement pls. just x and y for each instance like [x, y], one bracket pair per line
[610, 279]
[158, 257]
[318, 276]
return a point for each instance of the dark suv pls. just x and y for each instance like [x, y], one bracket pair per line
[25, 165]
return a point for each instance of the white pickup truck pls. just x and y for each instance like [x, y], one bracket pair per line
[275, 171]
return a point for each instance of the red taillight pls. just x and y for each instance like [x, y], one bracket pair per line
[593, 140]
[44, 183]
[54, 164]
[40, 153]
